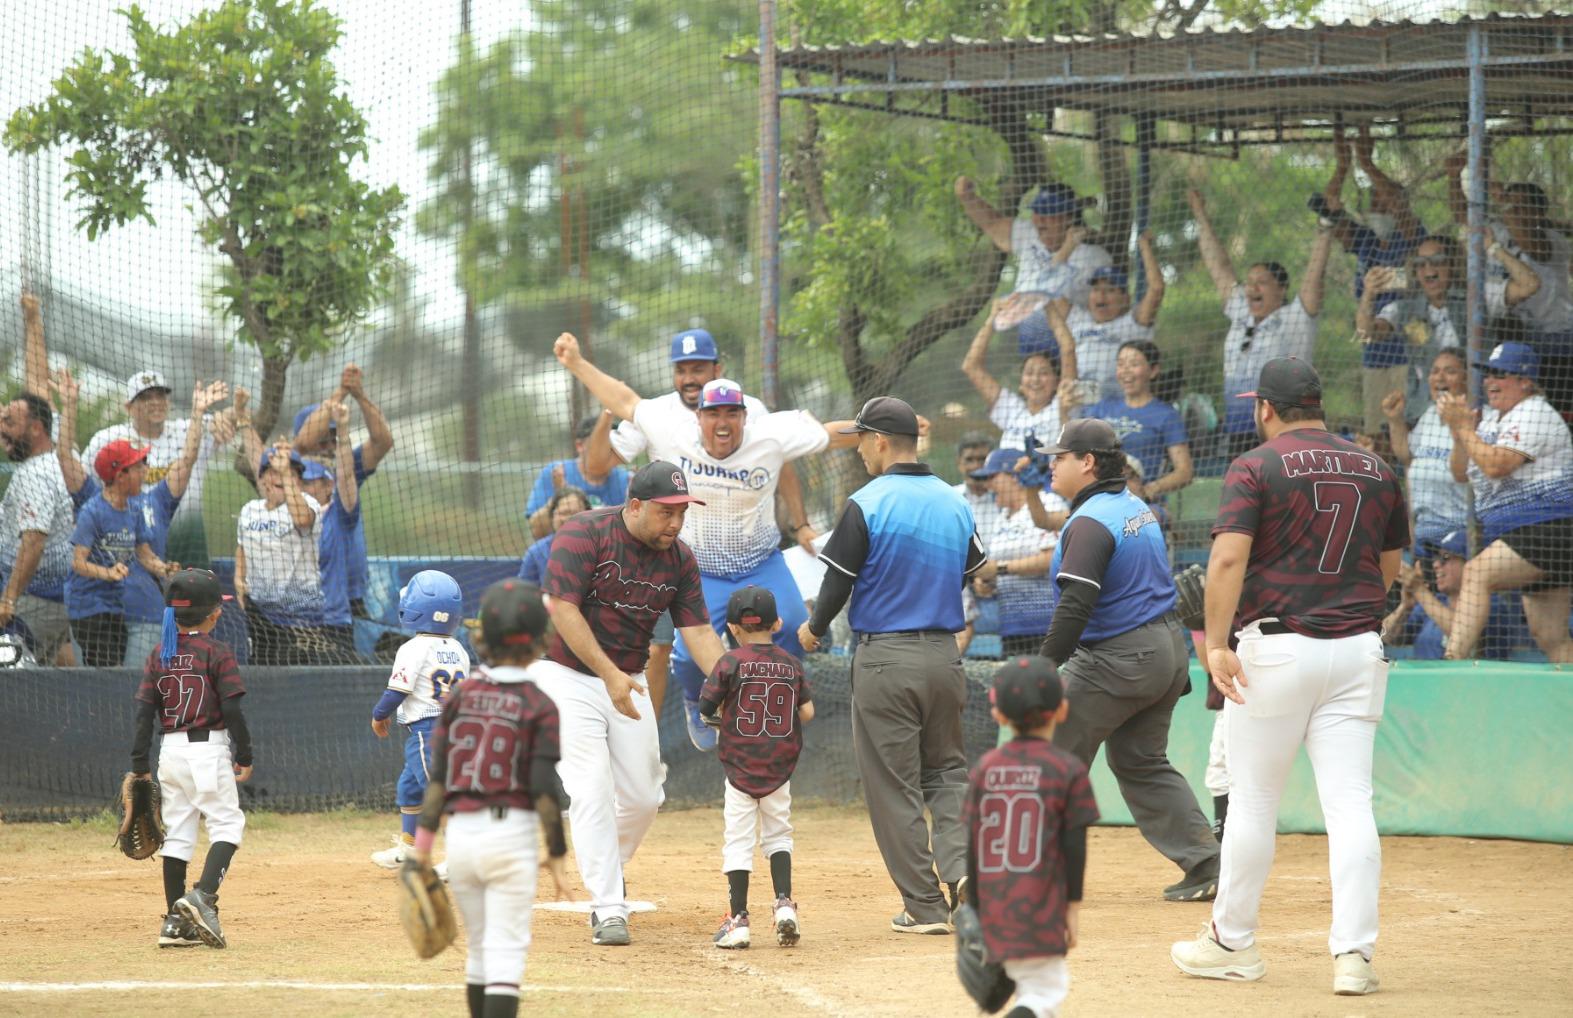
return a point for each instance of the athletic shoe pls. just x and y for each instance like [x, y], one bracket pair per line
[700, 734]
[441, 869]
[201, 910]
[904, 923]
[609, 932]
[1353, 976]
[1207, 958]
[958, 894]
[177, 931]
[1200, 883]
[733, 932]
[391, 858]
[788, 932]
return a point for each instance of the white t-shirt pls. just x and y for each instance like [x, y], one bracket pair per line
[1010, 414]
[1037, 273]
[281, 561]
[163, 453]
[1440, 503]
[1442, 328]
[736, 529]
[1550, 308]
[629, 442]
[1024, 601]
[1290, 331]
[1539, 490]
[37, 500]
[1098, 347]
[985, 511]
[425, 669]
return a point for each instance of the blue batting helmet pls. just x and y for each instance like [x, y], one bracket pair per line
[431, 603]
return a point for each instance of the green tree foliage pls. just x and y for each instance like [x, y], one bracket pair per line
[241, 105]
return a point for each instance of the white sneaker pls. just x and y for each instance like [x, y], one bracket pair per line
[441, 869]
[1353, 975]
[1207, 958]
[391, 858]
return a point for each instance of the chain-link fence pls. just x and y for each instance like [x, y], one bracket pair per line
[1116, 209]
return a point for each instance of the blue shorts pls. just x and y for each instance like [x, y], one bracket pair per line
[417, 763]
[772, 574]
[663, 630]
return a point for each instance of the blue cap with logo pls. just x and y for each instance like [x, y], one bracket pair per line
[1055, 200]
[1112, 275]
[1454, 543]
[694, 345]
[1000, 461]
[720, 392]
[1512, 359]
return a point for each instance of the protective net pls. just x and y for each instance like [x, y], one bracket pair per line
[260, 222]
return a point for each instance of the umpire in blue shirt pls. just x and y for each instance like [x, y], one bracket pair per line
[1122, 652]
[902, 551]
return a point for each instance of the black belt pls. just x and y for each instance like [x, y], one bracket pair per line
[1273, 629]
[920, 633]
[198, 734]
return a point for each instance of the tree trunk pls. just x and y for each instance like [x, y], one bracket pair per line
[1119, 201]
[266, 415]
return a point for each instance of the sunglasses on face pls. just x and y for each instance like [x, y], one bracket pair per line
[1250, 334]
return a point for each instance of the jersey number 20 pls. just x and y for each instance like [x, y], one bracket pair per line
[1010, 832]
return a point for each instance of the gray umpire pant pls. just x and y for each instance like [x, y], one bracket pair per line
[1122, 693]
[908, 691]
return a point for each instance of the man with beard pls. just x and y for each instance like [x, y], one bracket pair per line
[35, 529]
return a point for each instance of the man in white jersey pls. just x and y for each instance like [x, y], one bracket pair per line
[733, 462]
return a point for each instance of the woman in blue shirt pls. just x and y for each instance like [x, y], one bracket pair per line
[1149, 428]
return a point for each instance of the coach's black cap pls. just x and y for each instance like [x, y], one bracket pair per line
[1026, 686]
[1083, 436]
[512, 615]
[885, 415]
[194, 588]
[661, 482]
[1288, 381]
[751, 606]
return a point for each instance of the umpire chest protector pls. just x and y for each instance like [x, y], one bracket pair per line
[918, 534]
[1136, 586]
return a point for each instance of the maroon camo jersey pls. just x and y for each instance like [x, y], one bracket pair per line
[621, 585]
[759, 687]
[187, 693]
[1021, 799]
[488, 735]
[1321, 511]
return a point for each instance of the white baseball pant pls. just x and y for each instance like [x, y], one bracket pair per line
[1327, 694]
[771, 817]
[611, 770]
[1217, 777]
[197, 780]
[1041, 983]
[491, 871]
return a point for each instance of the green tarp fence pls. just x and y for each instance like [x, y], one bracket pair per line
[1464, 748]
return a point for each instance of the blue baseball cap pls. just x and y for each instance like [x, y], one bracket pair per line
[720, 392]
[1112, 275]
[305, 412]
[1000, 461]
[1512, 359]
[294, 458]
[315, 471]
[694, 345]
[1034, 336]
[1055, 200]
[1454, 543]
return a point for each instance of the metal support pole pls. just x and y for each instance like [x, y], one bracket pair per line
[471, 353]
[1475, 55]
[769, 206]
[1146, 134]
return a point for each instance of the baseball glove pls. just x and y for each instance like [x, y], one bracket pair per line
[425, 910]
[985, 981]
[1192, 604]
[141, 825]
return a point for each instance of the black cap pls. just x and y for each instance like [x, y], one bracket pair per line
[1025, 686]
[661, 481]
[197, 589]
[751, 606]
[1289, 381]
[885, 415]
[512, 615]
[1084, 435]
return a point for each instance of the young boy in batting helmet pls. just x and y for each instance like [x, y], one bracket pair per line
[500, 793]
[757, 697]
[429, 664]
[1026, 815]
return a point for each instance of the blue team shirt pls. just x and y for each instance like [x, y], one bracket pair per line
[532, 569]
[334, 548]
[1146, 431]
[1505, 627]
[920, 531]
[612, 491]
[111, 535]
[1135, 586]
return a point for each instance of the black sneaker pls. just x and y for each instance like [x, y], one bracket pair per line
[177, 931]
[201, 909]
[1200, 883]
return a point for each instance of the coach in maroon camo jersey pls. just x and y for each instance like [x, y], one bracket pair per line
[612, 573]
[1310, 534]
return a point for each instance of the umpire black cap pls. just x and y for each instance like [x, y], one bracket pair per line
[751, 606]
[512, 615]
[1027, 688]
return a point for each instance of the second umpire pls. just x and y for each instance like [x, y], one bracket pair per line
[901, 551]
[1122, 651]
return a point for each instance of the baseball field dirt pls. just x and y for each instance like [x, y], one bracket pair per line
[1468, 927]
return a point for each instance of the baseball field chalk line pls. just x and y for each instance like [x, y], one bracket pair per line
[288, 984]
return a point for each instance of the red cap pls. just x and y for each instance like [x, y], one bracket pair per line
[115, 457]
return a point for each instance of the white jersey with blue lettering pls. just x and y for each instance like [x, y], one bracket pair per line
[425, 669]
[629, 442]
[735, 530]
